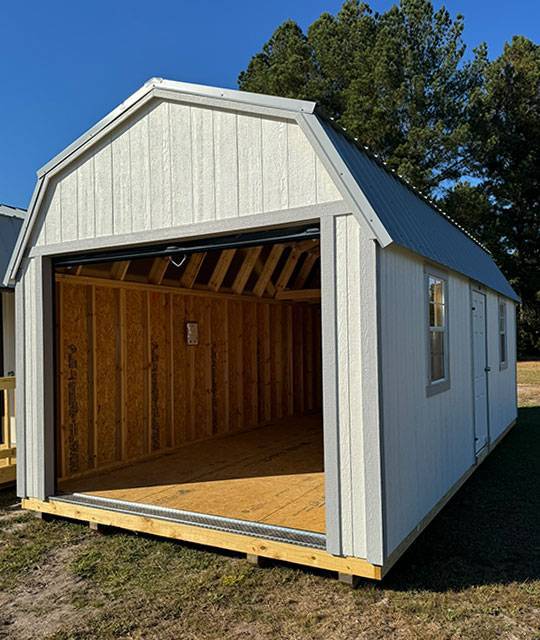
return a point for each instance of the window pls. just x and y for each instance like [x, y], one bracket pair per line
[437, 323]
[503, 355]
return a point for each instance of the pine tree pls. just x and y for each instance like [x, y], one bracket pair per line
[504, 150]
[397, 81]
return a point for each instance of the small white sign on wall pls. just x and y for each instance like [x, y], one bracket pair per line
[192, 333]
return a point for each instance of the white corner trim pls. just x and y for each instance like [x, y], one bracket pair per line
[345, 181]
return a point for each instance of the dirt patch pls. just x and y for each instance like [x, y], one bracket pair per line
[46, 602]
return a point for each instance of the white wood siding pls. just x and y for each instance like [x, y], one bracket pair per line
[27, 397]
[501, 382]
[428, 441]
[356, 411]
[175, 164]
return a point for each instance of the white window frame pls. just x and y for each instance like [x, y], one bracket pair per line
[434, 387]
[501, 304]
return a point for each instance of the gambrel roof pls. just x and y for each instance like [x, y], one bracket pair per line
[415, 223]
[392, 210]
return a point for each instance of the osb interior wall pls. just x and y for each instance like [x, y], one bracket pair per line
[129, 386]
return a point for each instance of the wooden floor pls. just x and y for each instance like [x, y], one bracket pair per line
[273, 474]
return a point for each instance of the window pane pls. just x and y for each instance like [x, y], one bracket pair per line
[436, 315]
[503, 347]
[437, 355]
[436, 290]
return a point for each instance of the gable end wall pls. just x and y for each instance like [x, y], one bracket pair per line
[173, 164]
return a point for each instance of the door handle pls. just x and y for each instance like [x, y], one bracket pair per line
[487, 369]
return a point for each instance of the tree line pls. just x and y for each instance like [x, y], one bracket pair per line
[463, 128]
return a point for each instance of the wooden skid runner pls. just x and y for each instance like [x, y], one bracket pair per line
[231, 541]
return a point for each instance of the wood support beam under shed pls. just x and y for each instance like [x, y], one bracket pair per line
[252, 546]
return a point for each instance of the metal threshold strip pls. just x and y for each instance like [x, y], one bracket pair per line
[207, 521]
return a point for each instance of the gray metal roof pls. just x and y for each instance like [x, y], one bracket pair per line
[415, 224]
[11, 220]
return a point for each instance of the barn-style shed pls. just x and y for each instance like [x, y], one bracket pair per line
[238, 328]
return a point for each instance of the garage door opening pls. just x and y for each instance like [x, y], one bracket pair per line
[189, 387]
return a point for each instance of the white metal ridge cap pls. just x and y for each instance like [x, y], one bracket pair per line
[235, 95]
[101, 124]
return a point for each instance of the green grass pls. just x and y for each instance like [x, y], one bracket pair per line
[474, 573]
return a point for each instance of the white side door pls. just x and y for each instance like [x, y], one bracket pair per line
[480, 370]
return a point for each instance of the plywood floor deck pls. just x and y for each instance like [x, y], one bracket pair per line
[273, 474]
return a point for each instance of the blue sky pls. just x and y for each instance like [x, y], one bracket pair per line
[64, 64]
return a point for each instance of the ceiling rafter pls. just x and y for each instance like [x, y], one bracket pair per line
[268, 269]
[306, 269]
[273, 271]
[119, 269]
[187, 280]
[245, 270]
[158, 269]
[287, 270]
[220, 270]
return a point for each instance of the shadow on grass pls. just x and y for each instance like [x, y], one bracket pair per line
[489, 532]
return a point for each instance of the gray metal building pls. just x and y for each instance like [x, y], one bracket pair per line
[395, 341]
[11, 220]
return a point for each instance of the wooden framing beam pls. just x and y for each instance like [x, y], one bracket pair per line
[268, 269]
[287, 270]
[299, 294]
[306, 269]
[119, 269]
[158, 269]
[245, 270]
[221, 268]
[259, 266]
[306, 246]
[162, 288]
[192, 269]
